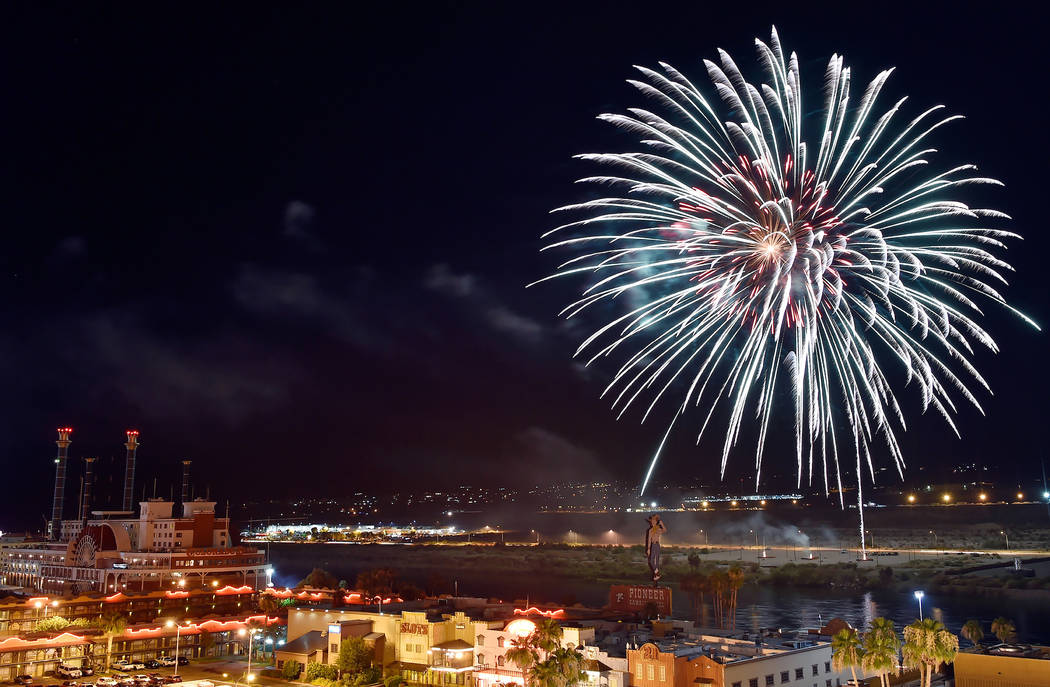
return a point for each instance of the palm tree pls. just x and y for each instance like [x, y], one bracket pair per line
[545, 674]
[268, 604]
[846, 651]
[973, 631]
[735, 579]
[570, 664]
[523, 656]
[927, 644]
[1003, 629]
[112, 625]
[547, 636]
[880, 649]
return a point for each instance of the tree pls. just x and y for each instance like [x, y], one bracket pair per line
[207, 641]
[292, 669]
[880, 649]
[112, 624]
[927, 644]
[354, 656]
[846, 651]
[409, 592]
[735, 580]
[542, 659]
[52, 624]
[1003, 629]
[376, 582]
[268, 604]
[319, 579]
[973, 631]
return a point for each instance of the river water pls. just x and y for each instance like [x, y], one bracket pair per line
[758, 607]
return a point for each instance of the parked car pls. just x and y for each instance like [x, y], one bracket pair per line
[169, 679]
[120, 665]
[106, 682]
[152, 663]
[68, 671]
[24, 680]
[167, 661]
[70, 683]
[183, 661]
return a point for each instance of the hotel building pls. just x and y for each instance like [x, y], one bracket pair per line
[113, 551]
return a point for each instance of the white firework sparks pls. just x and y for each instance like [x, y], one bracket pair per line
[759, 262]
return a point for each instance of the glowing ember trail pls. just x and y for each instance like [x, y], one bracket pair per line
[757, 264]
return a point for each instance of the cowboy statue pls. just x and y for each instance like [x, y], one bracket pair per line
[652, 544]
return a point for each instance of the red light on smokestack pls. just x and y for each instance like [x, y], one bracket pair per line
[131, 432]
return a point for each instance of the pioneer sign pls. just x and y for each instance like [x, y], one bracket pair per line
[635, 598]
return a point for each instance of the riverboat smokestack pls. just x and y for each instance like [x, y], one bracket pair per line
[132, 445]
[55, 526]
[85, 495]
[186, 481]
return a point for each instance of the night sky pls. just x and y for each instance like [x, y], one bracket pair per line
[292, 244]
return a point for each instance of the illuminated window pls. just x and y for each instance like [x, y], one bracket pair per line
[663, 674]
[649, 671]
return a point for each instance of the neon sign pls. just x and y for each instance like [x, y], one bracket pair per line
[532, 609]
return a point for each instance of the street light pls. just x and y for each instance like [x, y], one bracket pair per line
[1003, 532]
[251, 640]
[707, 539]
[178, 631]
[918, 595]
[934, 538]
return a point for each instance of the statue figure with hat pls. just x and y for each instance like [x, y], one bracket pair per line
[652, 544]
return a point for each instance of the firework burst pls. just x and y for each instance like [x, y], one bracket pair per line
[769, 253]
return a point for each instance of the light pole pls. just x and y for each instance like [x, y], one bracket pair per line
[918, 595]
[1003, 532]
[756, 537]
[178, 631]
[934, 538]
[379, 600]
[707, 540]
[251, 638]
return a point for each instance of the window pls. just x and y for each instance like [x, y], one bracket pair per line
[827, 682]
[638, 670]
[815, 671]
[827, 666]
[335, 648]
[481, 659]
[500, 660]
[769, 680]
[649, 671]
[785, 676]
[481, 640]
[753, 682]
[736, 684]
[800, 673]
[499, 642]
[663, 673]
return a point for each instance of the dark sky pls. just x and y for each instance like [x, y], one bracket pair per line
[292, 243]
